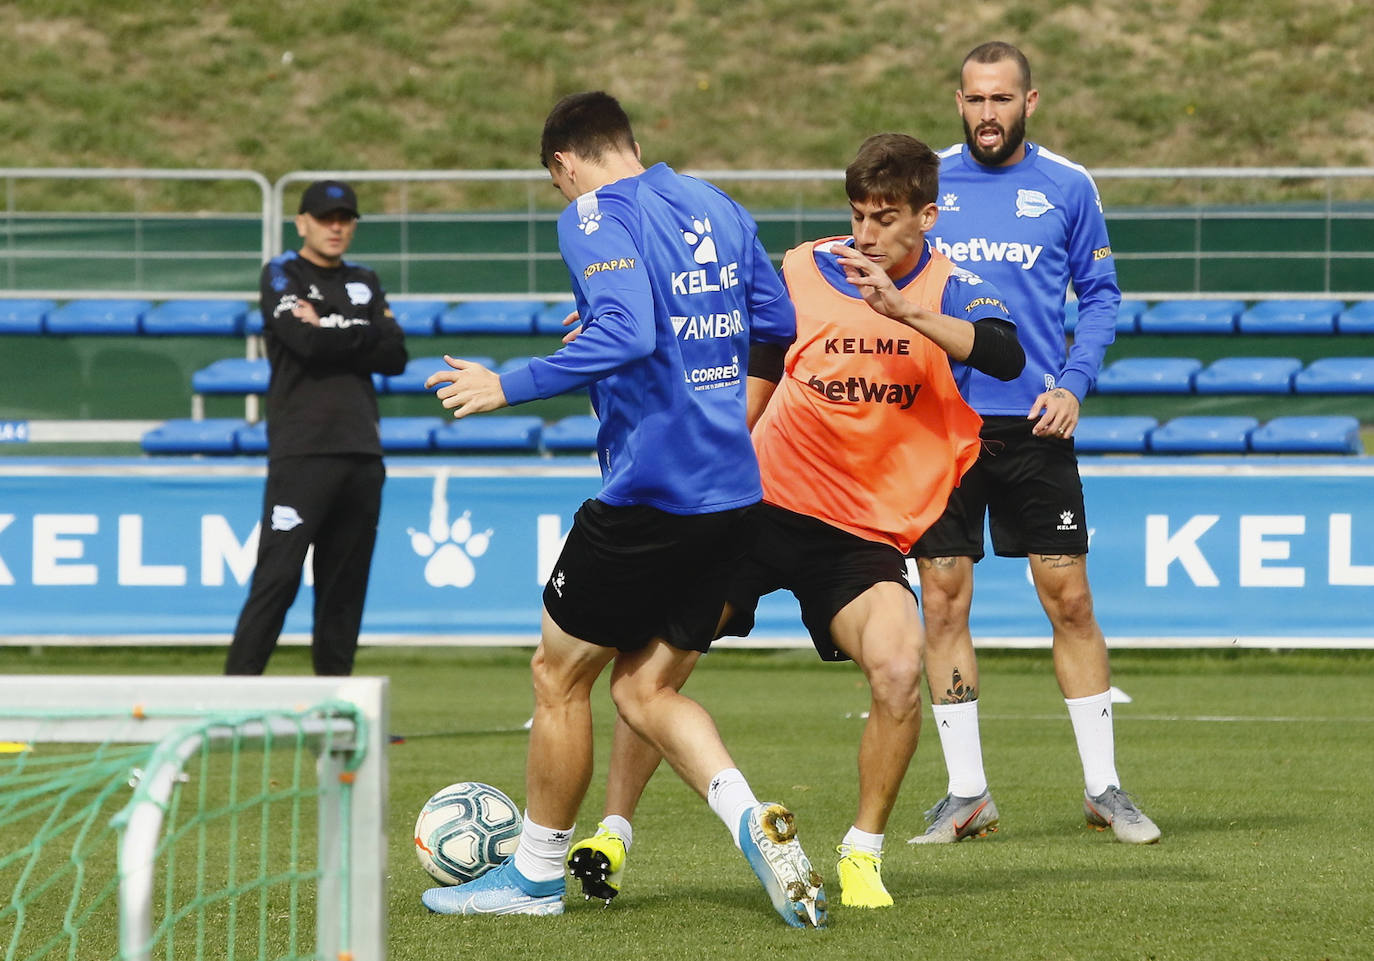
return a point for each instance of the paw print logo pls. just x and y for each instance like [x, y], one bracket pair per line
[449, 547]
[700, 240]
[590, 222]
[1066, 518]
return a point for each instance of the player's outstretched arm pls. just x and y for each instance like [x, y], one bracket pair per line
[471, 388]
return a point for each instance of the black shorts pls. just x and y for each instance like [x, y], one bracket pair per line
[628, 575]
[824, 567]
[1029, 489]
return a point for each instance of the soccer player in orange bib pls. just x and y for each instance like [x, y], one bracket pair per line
[858, 413]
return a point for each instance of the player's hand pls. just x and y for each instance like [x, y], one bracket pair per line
[569, 321]
[876, 287]
[471, 388]
[305, 311]
[1057, 409]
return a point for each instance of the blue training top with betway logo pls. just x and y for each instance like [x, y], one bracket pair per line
[1031, 228]
[672, 286]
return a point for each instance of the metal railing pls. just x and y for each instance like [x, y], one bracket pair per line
[472, 233]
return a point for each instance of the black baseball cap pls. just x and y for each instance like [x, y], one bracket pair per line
[326, 196]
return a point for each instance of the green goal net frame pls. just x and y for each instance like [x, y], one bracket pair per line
[175, 818]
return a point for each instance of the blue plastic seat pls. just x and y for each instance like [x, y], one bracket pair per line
[490, 317]
[549, 320]
[1191, 317]
[1291, 317]
[98, 317]
[409, 433]
[412, 379]
[197, 318]
[510, 432]
[252, 324]
[24, 315]
[1308, 435]
[418, 318]
[252, 438]
[1336, 375]
[1113, 435]
[1357, 319]
[574, 433]
[1127, 316]
[215, 435]
[1149, 375]
[1248, 375]
[1203, 435]
[232, 375]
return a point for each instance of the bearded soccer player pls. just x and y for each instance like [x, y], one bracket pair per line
[1031, 222]
[862, 410]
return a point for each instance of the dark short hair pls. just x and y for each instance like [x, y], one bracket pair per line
[895, 168]
[589, 124]
[995, 51]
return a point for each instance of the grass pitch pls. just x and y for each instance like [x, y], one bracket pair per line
[1257, 766]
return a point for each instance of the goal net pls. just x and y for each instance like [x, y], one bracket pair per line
[192, 817]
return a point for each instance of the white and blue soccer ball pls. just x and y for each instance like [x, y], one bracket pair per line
[465, 830]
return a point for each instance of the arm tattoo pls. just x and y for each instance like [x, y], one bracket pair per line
[959, 692]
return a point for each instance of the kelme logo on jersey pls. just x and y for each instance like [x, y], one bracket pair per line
[620, 263]
[860, 390]
[1032, 203]
[982, 250]
[949, 202]
[588, 213]
[700, 240]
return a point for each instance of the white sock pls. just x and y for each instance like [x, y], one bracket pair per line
[543, 851]
[963, 747]
[857, 840]
[620, 826]
[1092, 726]
[730, 796]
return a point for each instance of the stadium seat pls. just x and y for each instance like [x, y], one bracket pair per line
[1308, 435]
[550, 319]
[24, 315]
[197, 318]
[409, 433]
[575, 433]
[1149, 375]
[418, 318]
[232, 375]
[1127, 316]
[1248, 375]
[510, 432]
[418, 369]
[490, 317]
[1113, 435]
[252, 438]
[98, 317]
[1291, 317]
[1191, 317]
[1336, 375]
[1357, 319]
[1203, 435]
[215, 435]
[252, 324]
[512, 363]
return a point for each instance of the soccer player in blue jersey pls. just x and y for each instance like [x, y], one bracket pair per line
[674, 290]
[1031, 222]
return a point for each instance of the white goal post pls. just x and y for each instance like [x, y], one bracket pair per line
[343, 720]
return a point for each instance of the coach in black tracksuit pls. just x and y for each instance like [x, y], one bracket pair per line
[327, 327]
